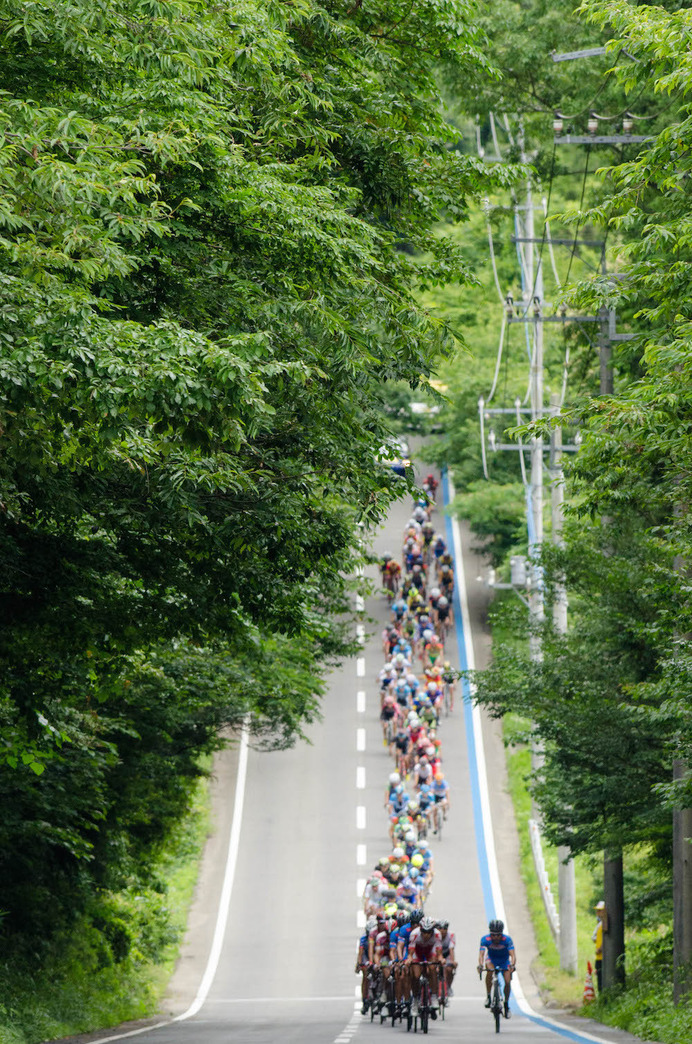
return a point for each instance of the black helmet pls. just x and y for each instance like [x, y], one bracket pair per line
[496, 926]
[402, 918]
[416, 917]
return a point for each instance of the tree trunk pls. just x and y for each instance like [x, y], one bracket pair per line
[682, 894]
[614, 928]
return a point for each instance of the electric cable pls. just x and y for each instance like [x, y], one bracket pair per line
[581, 203]
[493, 131]
[503, 297]
[484, 458]
[498, 361]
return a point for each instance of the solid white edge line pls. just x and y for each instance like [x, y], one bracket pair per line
[225, 900]
[489, 838]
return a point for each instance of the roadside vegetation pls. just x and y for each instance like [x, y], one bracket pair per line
[609, 701]
[215, 220]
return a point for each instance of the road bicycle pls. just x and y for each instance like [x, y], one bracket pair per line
[375, 988]
[438, 816]
[442, 991]
[422, 1016]
[497, 995]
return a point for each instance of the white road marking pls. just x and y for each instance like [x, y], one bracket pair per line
[361, 854]
[360, 667]
[360, 739]
[360, 604]
[360, 886]
[360, 777]
[360, 919]
[360, 702]
[360, 817]
[224, 904]
[360, 634]
[279, 1000]
[482, 782]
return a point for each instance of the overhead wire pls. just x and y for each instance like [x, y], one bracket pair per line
[581, 203]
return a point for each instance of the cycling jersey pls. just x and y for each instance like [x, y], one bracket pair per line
[440, 788]
[401, 742]
[425, 949]
[448, 943]
[399, 608]
[497, 950]
[404, 935]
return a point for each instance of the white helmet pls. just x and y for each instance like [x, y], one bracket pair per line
[435, 593]
[394, 777]
[443, 601]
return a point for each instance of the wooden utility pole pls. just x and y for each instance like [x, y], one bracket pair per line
[682, 894]
[614, 936]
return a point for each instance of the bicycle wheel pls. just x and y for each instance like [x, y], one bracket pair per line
[497, 1006]
[424, 1004]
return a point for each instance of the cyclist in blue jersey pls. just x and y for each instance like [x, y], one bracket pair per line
[497, 951]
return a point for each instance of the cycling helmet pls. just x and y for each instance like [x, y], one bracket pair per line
[390, 909]
[413, 806]
[442, 601]
[398, 854]
[417, 861]
[399, 788]
[416, 917]
[413, 873]
[402, 918]
[431, 686]
[427, 925]
[383, 861]
[410, 836]
[411, 679]
[395, 868]
[439, 776]
[443, 925]
[435, 593]
[428, 635]
[423, 845]
[386, 557]
[399, 658]
[496, 927]
[371, 923]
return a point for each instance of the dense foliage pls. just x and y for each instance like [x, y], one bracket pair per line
[609, 702]
[205, 288]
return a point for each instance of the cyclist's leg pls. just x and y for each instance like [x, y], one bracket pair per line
[508, 986]
[432, 975]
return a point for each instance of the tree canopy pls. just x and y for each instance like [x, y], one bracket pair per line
[214, 222]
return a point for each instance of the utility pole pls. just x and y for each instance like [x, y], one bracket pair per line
[682, 893]
[566, 880]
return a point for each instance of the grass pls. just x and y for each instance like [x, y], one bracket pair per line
[561, 988]
[102, 976]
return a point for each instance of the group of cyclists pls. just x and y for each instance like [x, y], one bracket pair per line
[400, 945]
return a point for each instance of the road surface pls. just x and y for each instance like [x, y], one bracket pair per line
[269, 957]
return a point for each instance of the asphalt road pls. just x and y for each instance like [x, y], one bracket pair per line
[312, 823]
